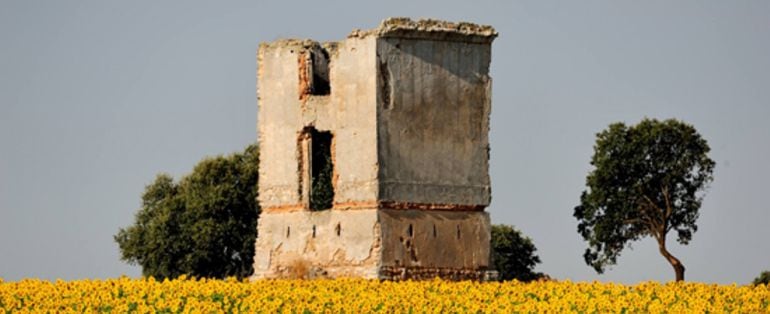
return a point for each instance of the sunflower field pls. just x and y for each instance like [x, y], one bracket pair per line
[185, 295]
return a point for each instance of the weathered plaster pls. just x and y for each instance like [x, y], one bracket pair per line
[408, 107]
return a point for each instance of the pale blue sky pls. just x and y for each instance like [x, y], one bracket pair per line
[96, 97]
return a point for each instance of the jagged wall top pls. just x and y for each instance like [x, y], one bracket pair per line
[405, 27]
[430, 29]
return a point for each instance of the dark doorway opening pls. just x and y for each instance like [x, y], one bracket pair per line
[321, 170]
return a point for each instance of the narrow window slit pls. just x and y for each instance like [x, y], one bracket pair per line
[321, 170]
[385, 90]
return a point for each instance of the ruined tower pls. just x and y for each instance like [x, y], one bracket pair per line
[374, 153]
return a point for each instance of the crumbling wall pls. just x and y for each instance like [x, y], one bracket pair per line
[290, 102]
[433, 110]
[278, 120]
[342, 241]
[407, 110]
[434, 241]
[354, 98]
[330, 243]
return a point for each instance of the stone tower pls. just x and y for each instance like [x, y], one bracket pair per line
[374, 153]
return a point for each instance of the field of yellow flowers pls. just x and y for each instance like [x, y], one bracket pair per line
[355, 295]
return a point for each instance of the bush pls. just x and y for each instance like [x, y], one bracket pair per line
[513, 254]
[763, 279]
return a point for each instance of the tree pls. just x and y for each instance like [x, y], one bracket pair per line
[763, 279]
[647, 181]
[513, 254]
[204, 226]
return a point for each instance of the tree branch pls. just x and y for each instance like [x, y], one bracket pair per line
[669, 209]
[659, 222]
[650, 220]
[650, 201]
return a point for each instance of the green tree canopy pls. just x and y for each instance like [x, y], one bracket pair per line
[513, 254]
[647, 181]
[203, 226]
[763, 279]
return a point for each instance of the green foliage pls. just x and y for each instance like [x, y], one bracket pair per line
[203, 226]
[646, 181]
[763, 279]
[513, 254]
[322, 193]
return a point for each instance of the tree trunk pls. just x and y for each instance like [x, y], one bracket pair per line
[678, 267]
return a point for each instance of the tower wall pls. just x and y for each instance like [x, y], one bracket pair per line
[348, 111]
[433, 121]
[424, 244]
[329, 243]
[278, 120]
[354, 97]
[407, 108]
[344, 240]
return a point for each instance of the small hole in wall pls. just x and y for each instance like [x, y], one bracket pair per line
[313, 231]
[288, 231]
[410, 231]
[338, 229]
[458, 231]
[434, 231]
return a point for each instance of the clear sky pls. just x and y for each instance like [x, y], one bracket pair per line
[96, 97]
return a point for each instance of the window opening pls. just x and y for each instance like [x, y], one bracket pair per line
[321, 170]
[320, 60]
[314, 72]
